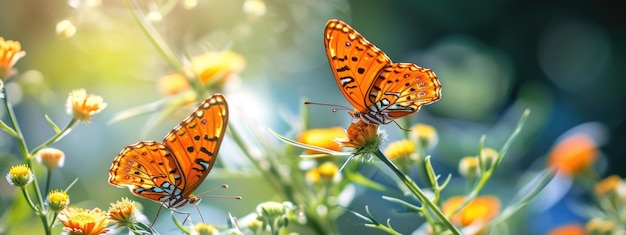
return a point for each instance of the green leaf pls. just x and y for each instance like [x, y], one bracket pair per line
[7, 129]
[53, 125]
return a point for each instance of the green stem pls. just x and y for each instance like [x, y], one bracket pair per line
[27, 159]
[57, 136]
[417, 192]
[48, 181]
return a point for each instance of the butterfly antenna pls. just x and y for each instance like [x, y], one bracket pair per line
[336, 107]
[223, 186]
[398, 124]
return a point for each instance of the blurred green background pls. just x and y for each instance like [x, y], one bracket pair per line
[564, 60]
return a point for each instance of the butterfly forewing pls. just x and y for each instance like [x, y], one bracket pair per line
[170, 171]
[195, 141]
[355, 62]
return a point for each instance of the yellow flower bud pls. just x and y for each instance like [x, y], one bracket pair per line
[20, 175]
[58, 200]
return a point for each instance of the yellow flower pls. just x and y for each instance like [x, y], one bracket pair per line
[79, 221]
[399, 149]
[211, 68]
[489, 157]
[324, 138]
[568, 229]
[328, 170]
[478, 212]
[58, 200]
[254, 225]
[203, 229]
[573, 155]
[469, 167]
[123, 212]
[425, 134]
[608, 185]
[51, 158]
[10, 53]
[20, 175]
[362, 136]
[600, 226]
[82, 105]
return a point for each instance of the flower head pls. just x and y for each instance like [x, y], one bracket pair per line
[608, 185]
[79, 221]
[469, 167]
[203, 229]
[363, 137]
[323, 138]
[51, 158]
[82, 105]
[478, 212]
[488, 156]
[327, 171]
[10, 53]
[20, 175]
[425, 134]
[123, 212]
[211, 68]
[58, 200]
[573, 155]
[399, 149]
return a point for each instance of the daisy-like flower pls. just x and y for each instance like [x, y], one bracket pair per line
[323, 137]
[399, 149]
[203, 229]
[363, 137]
[573, 155]
[10, 53]
[82, 105]
[477, 213]
[58, 200]
[123, 212]
[50, 157]
[20, 175]
[79, 221]
[425, 134]
[469, 167]
[211, 68]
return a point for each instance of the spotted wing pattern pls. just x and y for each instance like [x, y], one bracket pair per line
[169, 171]
[379, 90]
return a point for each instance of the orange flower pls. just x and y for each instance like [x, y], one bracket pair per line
[51, 158]
[123, 212]
[569, 229]
[82, 105]
[10, 53]
[324, 138]
[573, 155]
[362, 136]
[478, 212]
[79, 221]
[211, 68]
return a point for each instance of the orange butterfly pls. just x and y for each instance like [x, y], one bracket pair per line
[168, 172]
[379, 90]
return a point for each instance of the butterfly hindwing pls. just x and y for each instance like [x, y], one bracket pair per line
[147, 168]
[406, 87]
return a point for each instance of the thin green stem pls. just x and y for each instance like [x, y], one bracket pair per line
[417, 192]
[41, 210]
[30, 202]
[66, 130]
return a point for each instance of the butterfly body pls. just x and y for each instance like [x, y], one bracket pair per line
[168, 172]
[379, 90]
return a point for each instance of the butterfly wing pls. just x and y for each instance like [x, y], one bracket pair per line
[401, 89]
[355, 62]
[196, 140]
[148, 169]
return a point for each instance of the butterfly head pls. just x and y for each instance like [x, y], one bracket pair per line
[193, 200]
